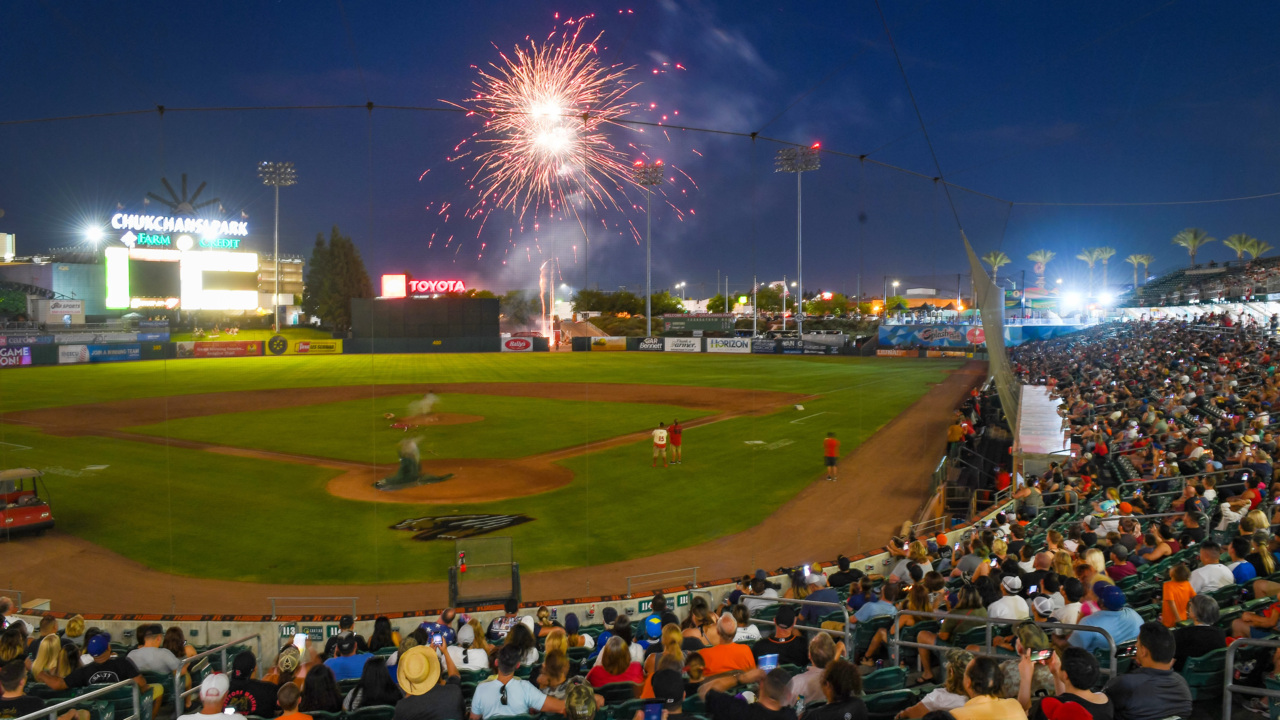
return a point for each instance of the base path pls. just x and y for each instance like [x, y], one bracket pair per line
[882, 483]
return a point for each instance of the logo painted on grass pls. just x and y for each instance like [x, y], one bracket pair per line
[453, 527]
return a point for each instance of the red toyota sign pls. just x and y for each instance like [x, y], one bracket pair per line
[398, 286]
[517, 344]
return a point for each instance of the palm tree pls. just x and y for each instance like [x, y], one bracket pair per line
[995, 259]
[1041, 258]
[1257, 247]
[1104, 254]
[1090, 256]
[1192, 239]
[1135, 260]
[1241, 243]
[1146, 265]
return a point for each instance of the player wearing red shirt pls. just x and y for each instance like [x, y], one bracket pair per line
[675, 432]
[831, 455]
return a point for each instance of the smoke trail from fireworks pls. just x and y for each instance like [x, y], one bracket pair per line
[547, 108]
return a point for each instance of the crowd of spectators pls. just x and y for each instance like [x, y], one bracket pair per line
[1233, 281]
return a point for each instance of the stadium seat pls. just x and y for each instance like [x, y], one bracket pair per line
[373, 712]
[885, 679]
[619, 692]
[888, 704]
[627, 710]
[694, 704]
[121, 701]
[863, 632]
[579, 653]
[318, 715]
[1204, 674]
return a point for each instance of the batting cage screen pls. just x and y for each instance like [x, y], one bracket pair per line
[484, 572]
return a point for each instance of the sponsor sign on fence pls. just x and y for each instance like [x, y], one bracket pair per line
[517, 344]
[200, 349]
[25, 340]
[280, 345]
[683, 344]
[813, 348]
[651, 344]
[728, 345]
[946, 353]
[102, 337]
[791, 346]
[72, 354]
[763, 346]
[15, 356]
[882, 352]
[609, 344]
[114, 353]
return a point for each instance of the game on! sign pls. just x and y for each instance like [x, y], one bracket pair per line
[398, 286]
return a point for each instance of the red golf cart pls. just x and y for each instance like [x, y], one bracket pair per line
[22, 509]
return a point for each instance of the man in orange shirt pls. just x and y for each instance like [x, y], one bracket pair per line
[831, 455]
[726, 655]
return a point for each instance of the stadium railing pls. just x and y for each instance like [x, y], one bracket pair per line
[844, 610]
[51, 712]
[334, 603]
[1229, 687]
[180, 695]
[895, 642]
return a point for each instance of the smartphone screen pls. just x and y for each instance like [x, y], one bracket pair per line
[995, 563]
[300, 641]
[1041, 655]
[437, 639]
[653, 711]
[1033, 589]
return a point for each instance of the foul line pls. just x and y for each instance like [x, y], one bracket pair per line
[806, 417]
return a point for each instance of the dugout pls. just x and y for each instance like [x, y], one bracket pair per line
[444, 324]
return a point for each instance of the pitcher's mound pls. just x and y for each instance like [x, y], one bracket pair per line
[433, 420]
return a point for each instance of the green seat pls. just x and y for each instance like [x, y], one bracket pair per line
[98, 709]
[885, 679]
[387, 651]
[911, 633]
[792, 670]
[321, 715]
[1227, 596]
[1204, 674]
[373, 712]
[627, 710]
[694, 704]
[473, 676]
[121, 701]
[767, 612]
[972, 636]
[1148, 612]
[579, 653]
[346, 686]
[618, 692]
[1125, 656]
[44, 692]
[1227, 614]
[888, 704]
[863, 632]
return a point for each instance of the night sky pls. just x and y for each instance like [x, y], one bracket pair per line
[1028, 102]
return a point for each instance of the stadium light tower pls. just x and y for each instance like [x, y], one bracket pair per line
[648, 175]
[798, 160]
[277, 175]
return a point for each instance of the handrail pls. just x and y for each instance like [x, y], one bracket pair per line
[695, 569]
[848, 636]
[1228, 673]
[179, 694]
[314, 597]
[988, 622]
[51, 712]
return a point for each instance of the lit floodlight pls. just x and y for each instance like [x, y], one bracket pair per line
[1105, 299]
[1071, 299]
[184, 242]
[93, 234]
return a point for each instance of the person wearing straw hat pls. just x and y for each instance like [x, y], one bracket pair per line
[427, 695]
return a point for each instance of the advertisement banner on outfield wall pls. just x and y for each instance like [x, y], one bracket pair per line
[791, 346]
[882, 352]
[728, 345]
[813, 348]
[201, 349]
[25, 340]
[608, 344]
[946, 353]
[280, 345]
[73, 354]
[114, 353]
[762, 346]
[15, 356]
[683, 344]
[651, 344]
[517, 344]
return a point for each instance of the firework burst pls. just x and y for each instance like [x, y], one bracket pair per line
[546, 110]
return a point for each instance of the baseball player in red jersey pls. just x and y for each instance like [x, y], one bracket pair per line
[675, 431]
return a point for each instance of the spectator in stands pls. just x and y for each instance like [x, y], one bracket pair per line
[51, 658]
[809, 683]
[747, 633]
[847, 574]
[1254, 625]
[48, 626]
[175, 641]
[471, 652]
[320, 691]
[427, 695]
[818, 592]
[346, 624]
[969, 602]
[982, 680]
[881, 606]
[1010, 606]
[376, 687]
[246, 694]
[1241, 570]
[576, 638]
[1202, 636]
[521, 638]
[1120, 567]
[552, 677]
[1260, 555]
[1191, 528]
[1177, 593]
[13, 644]
[1075, 673]
[918, 553]
[760, 588]
[841, 687]
[104, 669]
[917, 601]
[213, 692]
[671, 647]
[785, 642]
[725, 655]
[1113, 615]
[658, 606]
[443, 626]
[287, 698]
[507, 694]
[545, 623]
[501, 625]
[768, 706]
[616, 665]
[1212, 574]
[346, 663]
[860, 593]
[14, 702]
[385, 637]
[149, 656]
[1151, 691]
[948, 697]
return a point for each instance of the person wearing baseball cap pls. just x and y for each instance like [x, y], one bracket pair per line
[247, 695]
[427, 695]
[104, 670]
[346, 624]
[785, 642]
[1011, 605]
[1114, 616]
[213, 695]
[819, 591]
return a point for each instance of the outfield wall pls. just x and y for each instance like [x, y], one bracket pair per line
[739, 346]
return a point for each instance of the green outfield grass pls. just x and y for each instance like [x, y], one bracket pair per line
[356, 430]
[211, 515]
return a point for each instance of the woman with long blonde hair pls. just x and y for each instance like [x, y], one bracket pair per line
[557, 639]
[50, 658]
[1063, 564]
[1096, 560]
